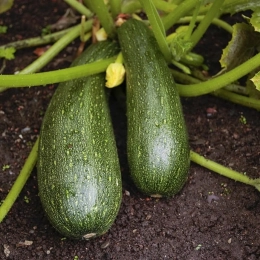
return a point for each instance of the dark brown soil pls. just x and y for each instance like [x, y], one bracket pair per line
[187, 226]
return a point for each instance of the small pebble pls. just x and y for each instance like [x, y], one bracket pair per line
[212, 197]
[211, 112]
[105, 244]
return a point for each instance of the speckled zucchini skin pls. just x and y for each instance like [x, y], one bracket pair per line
[157, 142]
[79, 176]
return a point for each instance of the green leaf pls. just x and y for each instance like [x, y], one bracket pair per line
[5, 5]
[255, 19]
[7, 53]
[251, 89]
[256, 80]
[3, 29]
[235, 6]
[241, 47]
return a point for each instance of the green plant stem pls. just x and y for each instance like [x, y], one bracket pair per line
[130, 7]
[222, 93]
[164, 6]
[184, 78]
[79, 7]
[56, 76]
[56, 48]
[181, 66]
[216, 21]
[205, 23]
[36, 41]
[177, 2]
[157, 28]
[192, 59]
[237, 89]
[192, 23]
[115, 7]
[238, 99]
[101, 10]
[222, 170]
[180, 11]
[220, 81]
[20, 182]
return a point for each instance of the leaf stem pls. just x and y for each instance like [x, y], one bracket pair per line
[238, 99]
[218, 22]
[101, 10]
[36, 41]
[222, 170]
[220, 81]
[56, 48]
[130, 7]
[164, 6]
[157, 27]
[56, 76]
[192, 23]
[79, 7]
[222, 93]
[205, 23]
[20, 182]
[180, 11]
[184, 78]
[115, 7]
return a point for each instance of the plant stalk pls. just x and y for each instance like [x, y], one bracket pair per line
[79, 7]
[20, 182]
[36, 41]
[56, 76]
[205, 23]
[238, 99]
[101, 10]
[222, 170]
[115, 7]
[216, 21]
[220, 81]
[56, 48]
[180, 11]
[157, 27]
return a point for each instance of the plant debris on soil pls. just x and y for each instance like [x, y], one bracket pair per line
[211, 218]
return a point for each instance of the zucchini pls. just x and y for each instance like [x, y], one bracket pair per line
[78, 175]
[157, 141]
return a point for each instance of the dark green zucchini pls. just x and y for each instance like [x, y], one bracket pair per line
[78, 168]
[157, 142]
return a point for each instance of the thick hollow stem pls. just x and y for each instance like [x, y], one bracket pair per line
[222, 170]
[115, 7]
[237, 98]
[157, 27]
[79, 7]
[20, 182]
[221, 81]
[101, 10]
[180, 11]
[38, 79]
[56, 48]
[36, 41]
[205, 23]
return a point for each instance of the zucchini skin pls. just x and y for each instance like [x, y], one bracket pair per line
[157, 140]
[79, 177]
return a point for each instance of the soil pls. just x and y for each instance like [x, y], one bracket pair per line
[191, 225]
